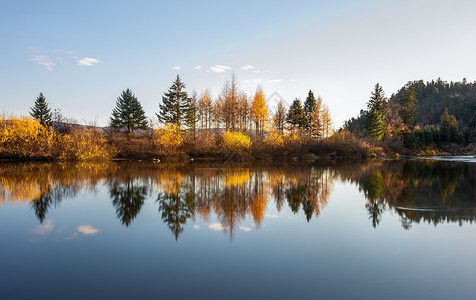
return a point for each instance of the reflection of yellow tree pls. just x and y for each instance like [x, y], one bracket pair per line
[259, 200]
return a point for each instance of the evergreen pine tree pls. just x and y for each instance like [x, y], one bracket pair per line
[456, 136]
[296, 116]
[450, 132]
[309, 107]
[375, 124]
[408, 102]
[445, 130]
[377, 100]
[191, 116]
[128, 113]
[41, 111]
[176, 107]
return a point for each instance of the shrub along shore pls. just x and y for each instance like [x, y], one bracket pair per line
[27, 139]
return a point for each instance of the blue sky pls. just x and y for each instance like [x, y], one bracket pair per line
[82, 54]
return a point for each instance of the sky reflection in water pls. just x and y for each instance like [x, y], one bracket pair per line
[382, 229]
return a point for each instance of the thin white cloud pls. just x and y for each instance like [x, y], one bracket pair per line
[274, 80]
[219, 68]
[196, 227]
[176, 68]
[198, 67]
[271, 216]
[245, 229]
[45, 61]
[44, 229]
[257, 80]
[247, 67]
[216, 226]
[87, 229]
[87, 61]
[256, 71]
[71, 53]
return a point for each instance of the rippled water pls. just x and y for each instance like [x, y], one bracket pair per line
[375, 230]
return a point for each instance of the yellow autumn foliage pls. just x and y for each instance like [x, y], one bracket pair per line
[169, 139]
[24, 137]
[81, 145]
[238, 178]
[275, 141]
[236, 142]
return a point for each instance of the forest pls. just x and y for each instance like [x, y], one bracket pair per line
[435, 117]
[432, 118]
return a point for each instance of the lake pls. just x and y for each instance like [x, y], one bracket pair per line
[395, 229]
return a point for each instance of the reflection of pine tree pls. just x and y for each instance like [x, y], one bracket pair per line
[128, 200]
[308, 207]
[296, 196]
[374, 191]
[42, 204]
[176, 208]
[278, 192]
[375, 209]
[406, 223]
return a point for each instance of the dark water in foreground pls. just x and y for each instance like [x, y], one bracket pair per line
[379, 230]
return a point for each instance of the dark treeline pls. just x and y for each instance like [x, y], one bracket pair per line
[418, 191]
[434, 114]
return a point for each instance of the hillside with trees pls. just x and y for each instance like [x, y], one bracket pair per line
[434, 114]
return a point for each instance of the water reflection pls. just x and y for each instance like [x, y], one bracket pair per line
[128, 198]
[418, 191]
[432, 192]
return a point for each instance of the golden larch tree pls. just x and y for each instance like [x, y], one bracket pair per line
[260, 112]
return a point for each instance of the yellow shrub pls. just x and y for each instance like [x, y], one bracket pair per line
[236, 142]
[169, 140]
[274, 141]
[24, 137]
[81, 145]
[427, 152]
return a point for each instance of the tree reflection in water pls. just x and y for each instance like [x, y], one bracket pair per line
[418, 191]
[128, 198]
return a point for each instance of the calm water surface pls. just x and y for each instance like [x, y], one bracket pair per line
[376, 230]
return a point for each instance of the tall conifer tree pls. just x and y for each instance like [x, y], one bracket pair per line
[296, 116]
[375, 124]
[377, 100]
[176, 106]
[128, 113]
[310, 103]
[41, 111]
[408, 102]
